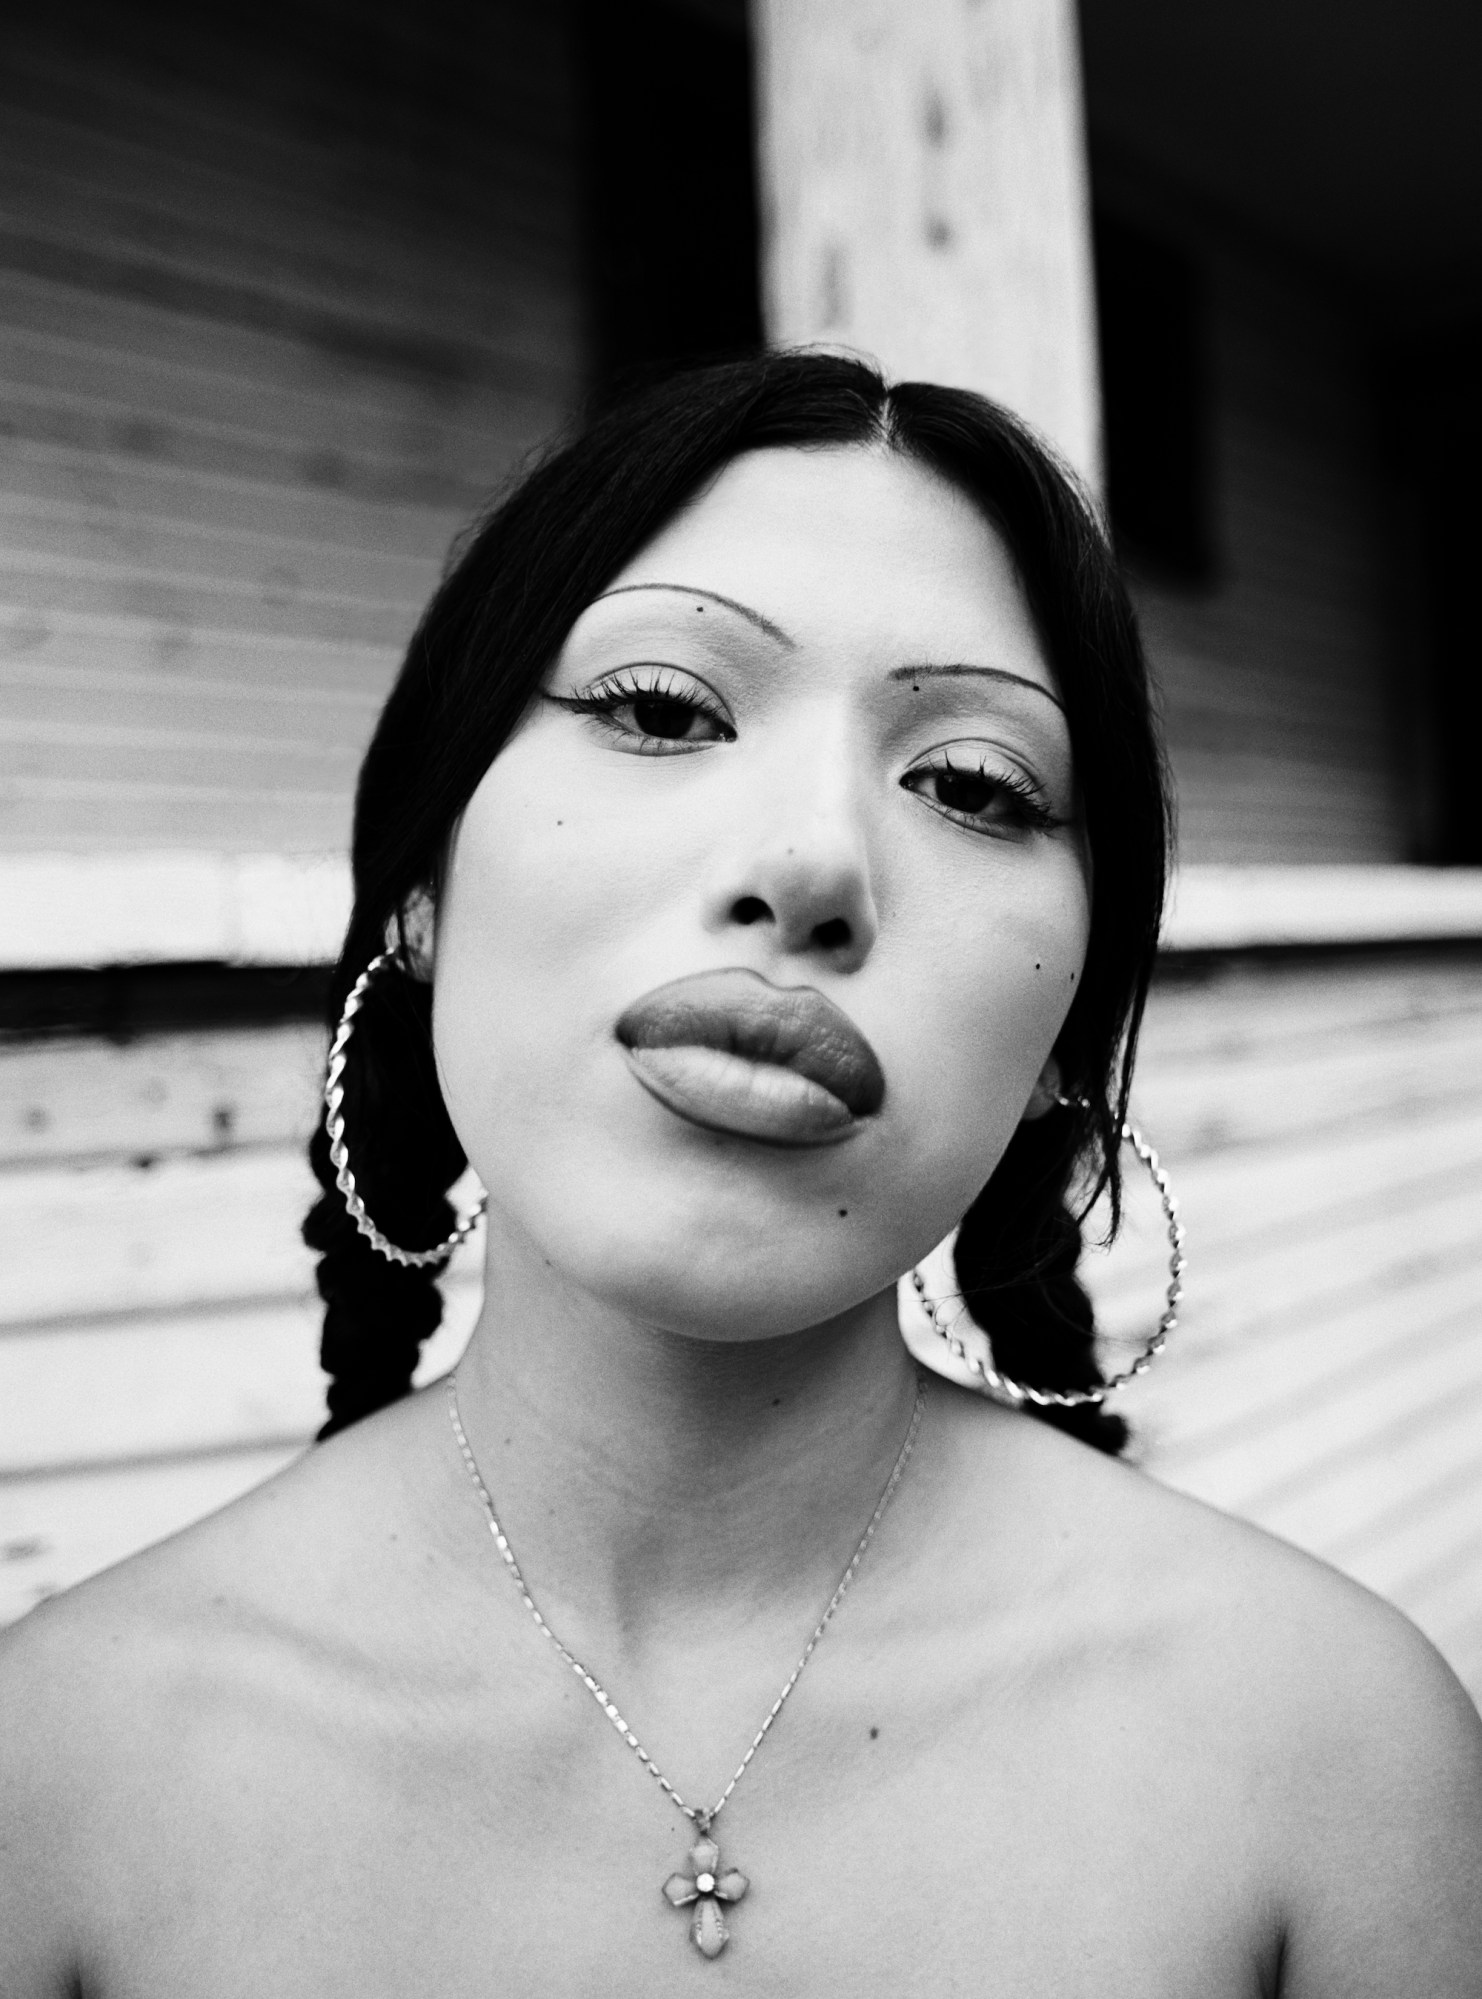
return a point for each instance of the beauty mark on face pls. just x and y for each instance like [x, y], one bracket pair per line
[773, 632]
[922, 670]
[961, 669]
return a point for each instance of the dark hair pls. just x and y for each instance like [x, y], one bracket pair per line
[487, 639]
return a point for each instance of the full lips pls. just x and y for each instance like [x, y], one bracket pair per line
[732, 1051]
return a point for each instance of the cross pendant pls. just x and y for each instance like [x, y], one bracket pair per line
[705, 1887]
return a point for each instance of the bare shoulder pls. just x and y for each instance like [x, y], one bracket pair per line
[1324, 1721]
[1331, 1663]
[297, 1557]
[134, 1703]
[95, 1688]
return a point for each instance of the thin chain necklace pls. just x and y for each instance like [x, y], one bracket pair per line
[708, 1884]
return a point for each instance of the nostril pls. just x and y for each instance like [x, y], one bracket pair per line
[833, 935]
[750, 909]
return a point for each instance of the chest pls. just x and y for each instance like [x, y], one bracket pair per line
[911, 1853]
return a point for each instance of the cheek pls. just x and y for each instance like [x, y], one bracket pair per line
[527, 867]
[547, 891]
[537, 877]
[989, 1016]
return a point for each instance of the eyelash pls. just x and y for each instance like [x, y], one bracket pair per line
[1027, 812]
[628, 686]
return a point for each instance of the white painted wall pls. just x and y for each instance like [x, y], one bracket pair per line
[925, 196]
[68, 910]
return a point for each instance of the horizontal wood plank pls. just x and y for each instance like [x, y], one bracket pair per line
[446, 475]
[128, 487]
[1236, 1007]
[1416, 1546]
[56, 1531]
[160, 907]
[256, 369]
[1278, 1382]
[1363, 1449]
[125, 591]
[458, 425]
[64, 535]
[141, 663]
[1276, 1202]
[47, 814]
[118, 1237]
[1305, 1097]
[394, 280]
[85, 1100]
[181, 1385]
[221, 1227]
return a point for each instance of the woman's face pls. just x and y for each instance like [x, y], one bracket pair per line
[757, 935]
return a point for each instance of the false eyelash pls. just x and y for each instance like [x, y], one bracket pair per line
[616, 689]
[1031, 812]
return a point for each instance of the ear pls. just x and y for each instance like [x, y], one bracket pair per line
[1045, 1094]
[412, 934]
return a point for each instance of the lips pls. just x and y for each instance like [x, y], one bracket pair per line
[730, 1051]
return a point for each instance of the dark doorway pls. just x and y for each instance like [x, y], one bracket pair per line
[1433, 407]
[671, 204]
[1150, 308]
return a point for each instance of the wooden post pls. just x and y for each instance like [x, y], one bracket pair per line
[925, 196]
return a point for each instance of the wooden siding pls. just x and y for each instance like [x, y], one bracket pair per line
[1291, 723]
[158, 1329]
[1323, 1128]
[284, 293]
[1323, 1124]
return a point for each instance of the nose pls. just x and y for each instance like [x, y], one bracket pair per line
[804, 869]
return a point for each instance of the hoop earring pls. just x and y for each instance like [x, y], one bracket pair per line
[1017, 1393]
[339, 1152]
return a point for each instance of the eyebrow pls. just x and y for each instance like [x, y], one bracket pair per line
[926, 670]
[745, 611]
[957, 669]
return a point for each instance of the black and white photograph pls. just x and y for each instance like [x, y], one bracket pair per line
[740, 999]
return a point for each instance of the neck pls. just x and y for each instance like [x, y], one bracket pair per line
[644, 1475]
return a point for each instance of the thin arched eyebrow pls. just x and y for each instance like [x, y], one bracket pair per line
[956, 669]
[773, 632]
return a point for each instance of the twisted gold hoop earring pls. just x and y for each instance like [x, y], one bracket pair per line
[1017, 1393]
[339, 1152]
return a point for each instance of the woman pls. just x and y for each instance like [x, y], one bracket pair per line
[769, 825]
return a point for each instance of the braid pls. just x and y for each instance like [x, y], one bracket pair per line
[1016, 1258]
[405, 1155]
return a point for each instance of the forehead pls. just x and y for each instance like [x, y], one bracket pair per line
[853, 545]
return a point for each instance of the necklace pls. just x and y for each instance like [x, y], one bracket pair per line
[708, 1884]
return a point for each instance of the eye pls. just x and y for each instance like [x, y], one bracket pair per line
[962, 783]
[667, 716]
[652, 709]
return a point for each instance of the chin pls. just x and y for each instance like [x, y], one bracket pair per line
[732, 1261]
[714, 1236]
[729, 1302]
